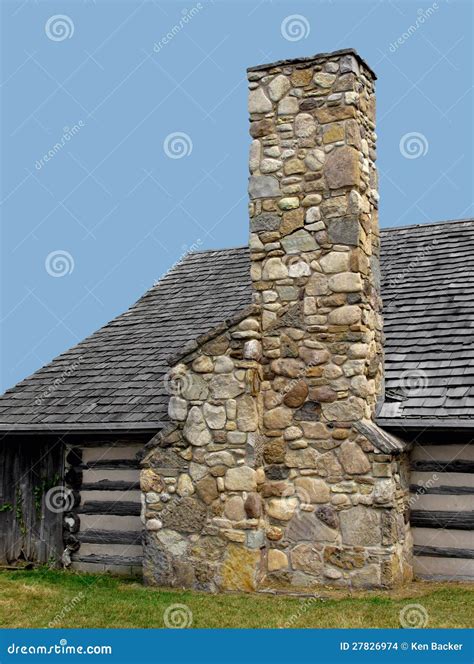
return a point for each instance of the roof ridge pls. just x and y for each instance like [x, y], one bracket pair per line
[429, 224]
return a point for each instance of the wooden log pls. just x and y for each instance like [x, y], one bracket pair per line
[438, 519]
[122, 508]
[418, 490]
[110, 537]
[442, 552]
[111, 485]
[108, 560]
[455, 466]
[110, 464]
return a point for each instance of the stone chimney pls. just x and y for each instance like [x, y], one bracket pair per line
[314, 246]
[314, 237]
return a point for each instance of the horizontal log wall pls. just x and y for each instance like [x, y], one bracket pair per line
[442, 508]
[109, 535]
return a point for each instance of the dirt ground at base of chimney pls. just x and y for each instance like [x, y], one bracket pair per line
[48, 598]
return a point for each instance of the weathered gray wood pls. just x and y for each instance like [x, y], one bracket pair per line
[416, 489]
[110, 464]
[442, 552]
[108, 560]
[123, 508]
[110, 537]
[438, 519]
[111, 485]
[455, 466]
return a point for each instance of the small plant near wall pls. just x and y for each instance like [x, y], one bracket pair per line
[6, 507]
[19, 511]
[41, 489]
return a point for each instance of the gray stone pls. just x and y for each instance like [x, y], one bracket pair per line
[225, 386]
[215, 416]
[195, 430]
[254, 155]
[305, 526]
[263, 186]
[346, 282]
[343, 231]
[223, 364]
[299, 241]
[173, 542]
[177, 409]
[360, 526]
[288, 106]
[223, 458]
[259, 102]
[234, 508]
[266, 221]
[270, 165]
[305, 125]
[306, 558]
[247, 413]
[278, 87]
[186, 515]
[344, 410]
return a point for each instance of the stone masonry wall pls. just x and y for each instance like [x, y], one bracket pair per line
[202, 476]
[336, 509]
[264, 478]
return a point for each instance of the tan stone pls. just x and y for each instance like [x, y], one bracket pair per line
[311, 490]
[301, 77]
[185, 485]
[333, 133]
[241, 478]
[206, 489]
[314, 430]
[274, 268]
[239, 570]
[278, 418]
[353, 459]
[335, 261]
[234, 508]
[281, 508]
[345, 315]
[274, 451]
[277, 560]
[203, 364]
[342, 168]
[150, 480]
[292, 220]
[346, 282]
[303, 458]
[247, 418]
[293, 166]
[344, 410]
[258, 101]
[288, 367]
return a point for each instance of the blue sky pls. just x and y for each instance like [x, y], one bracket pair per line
[146, 139]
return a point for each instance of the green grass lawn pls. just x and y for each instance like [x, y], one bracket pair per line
[37, 598]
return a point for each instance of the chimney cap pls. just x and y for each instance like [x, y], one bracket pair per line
[311, 58]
